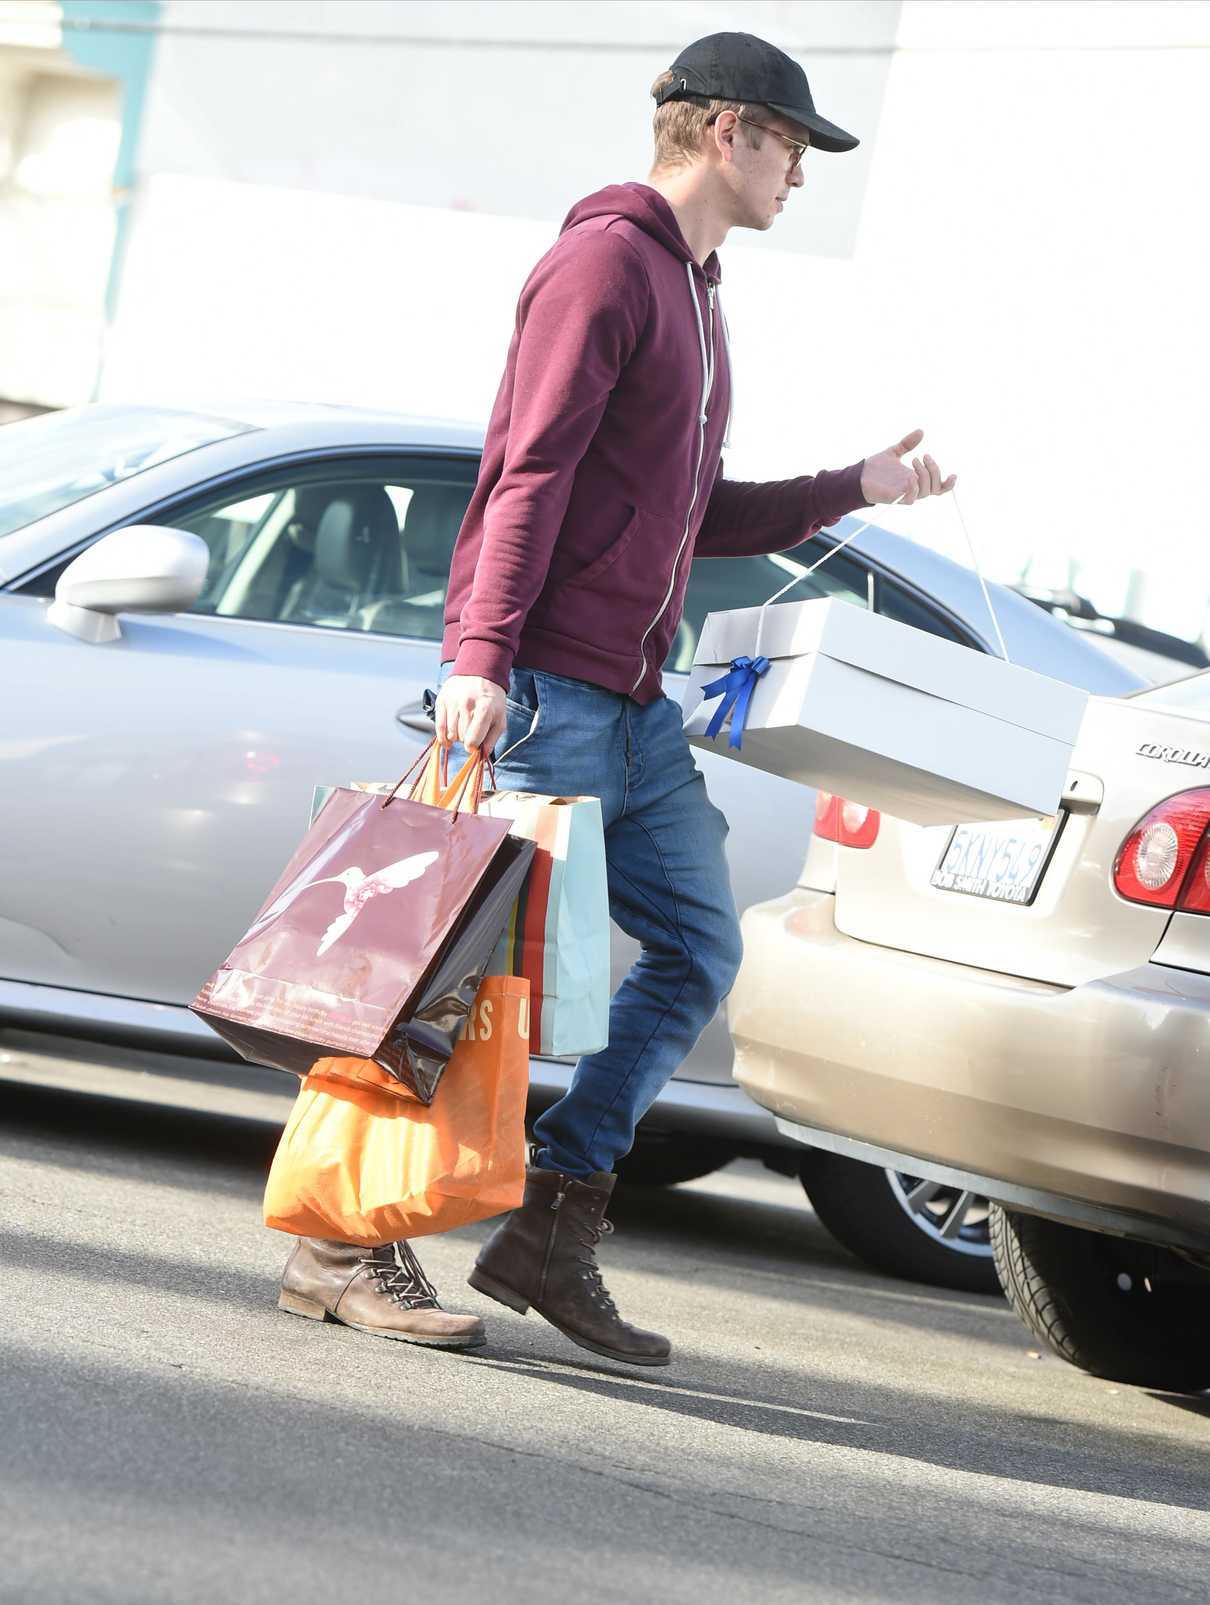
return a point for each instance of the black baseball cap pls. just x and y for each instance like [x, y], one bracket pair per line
[739, 66]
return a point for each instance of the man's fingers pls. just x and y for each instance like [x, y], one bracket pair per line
[908, 443]
[441, 723]
[923, 477]
[456, 719]
[482, 727]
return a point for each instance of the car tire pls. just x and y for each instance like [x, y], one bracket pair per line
[867, 1209]
[659, 1160]
[1128, 1312]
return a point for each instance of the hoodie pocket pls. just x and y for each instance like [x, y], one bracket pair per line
[611, 554]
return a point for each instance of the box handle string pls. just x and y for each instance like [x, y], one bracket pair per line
[852, 536]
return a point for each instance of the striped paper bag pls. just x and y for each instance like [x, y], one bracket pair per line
[558, 934]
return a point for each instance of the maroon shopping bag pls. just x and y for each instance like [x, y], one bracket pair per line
[374, 939]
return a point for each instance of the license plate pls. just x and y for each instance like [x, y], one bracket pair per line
[1003, 861]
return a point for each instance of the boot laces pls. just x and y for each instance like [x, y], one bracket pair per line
[398, 1274]
[598, 1292]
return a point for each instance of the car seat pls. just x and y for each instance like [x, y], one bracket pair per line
[357, 560]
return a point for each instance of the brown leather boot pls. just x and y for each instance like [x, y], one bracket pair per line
[382, 1291]
[544, 1254]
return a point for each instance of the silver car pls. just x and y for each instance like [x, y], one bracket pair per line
[153, 783]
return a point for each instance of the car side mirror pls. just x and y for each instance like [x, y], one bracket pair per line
[145, 568]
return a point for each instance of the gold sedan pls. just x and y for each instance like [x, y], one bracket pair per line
[1022, 1012]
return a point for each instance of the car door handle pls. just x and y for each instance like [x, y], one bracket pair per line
[418, 715]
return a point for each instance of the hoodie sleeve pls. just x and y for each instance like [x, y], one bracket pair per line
[578, 321]
[747, 519]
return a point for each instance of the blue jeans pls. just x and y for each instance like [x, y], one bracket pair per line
[669, 888]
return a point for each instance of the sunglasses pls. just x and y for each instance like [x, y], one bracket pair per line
[795, 147]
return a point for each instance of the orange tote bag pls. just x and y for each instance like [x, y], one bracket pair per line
[361, 1162]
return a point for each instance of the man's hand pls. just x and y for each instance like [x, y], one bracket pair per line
[887, 478]
[470, 710]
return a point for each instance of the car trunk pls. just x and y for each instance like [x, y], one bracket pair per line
[1074, 928]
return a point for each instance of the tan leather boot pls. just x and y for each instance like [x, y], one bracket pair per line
[382, 1291]
[544, 1254]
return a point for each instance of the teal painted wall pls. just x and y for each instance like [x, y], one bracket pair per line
[116, 38]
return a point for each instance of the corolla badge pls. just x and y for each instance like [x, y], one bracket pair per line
[360, 888]
[1185, 755]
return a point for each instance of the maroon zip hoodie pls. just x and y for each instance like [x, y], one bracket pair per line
[602, 473]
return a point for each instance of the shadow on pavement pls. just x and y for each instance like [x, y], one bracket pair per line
[772, 1400]
[724, 1239]
[129, 1128]
[999, 1443]
[1197, 1404]
[169, 1450]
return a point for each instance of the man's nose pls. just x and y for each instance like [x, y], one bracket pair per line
[797, 177]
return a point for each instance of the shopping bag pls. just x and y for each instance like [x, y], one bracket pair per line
[375, 937]
[881, 713]
[557, 933]
[359, 1164]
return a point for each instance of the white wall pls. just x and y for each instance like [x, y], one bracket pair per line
[237, 289]
[498, 107]
[1015, 259]
[1029, 285]
[58, 134]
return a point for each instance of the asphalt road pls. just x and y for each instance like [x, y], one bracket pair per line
[166, 1435]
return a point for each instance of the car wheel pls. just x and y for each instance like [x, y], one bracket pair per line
[898, 1223]
[1128, 1312]
[659, 1160]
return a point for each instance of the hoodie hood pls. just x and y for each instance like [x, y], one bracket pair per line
[647, 209]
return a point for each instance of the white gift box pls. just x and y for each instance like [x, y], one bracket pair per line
[889, 716]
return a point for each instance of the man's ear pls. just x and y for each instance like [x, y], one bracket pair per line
[723, 134]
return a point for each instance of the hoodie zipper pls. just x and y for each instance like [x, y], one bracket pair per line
[731, 389]
[707, 388]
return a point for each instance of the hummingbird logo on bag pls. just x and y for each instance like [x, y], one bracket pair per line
[360, 888]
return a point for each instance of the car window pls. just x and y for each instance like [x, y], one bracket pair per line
[351, 548]
[895, 602]
[719, 583]
[1190, 694]
[350, 545]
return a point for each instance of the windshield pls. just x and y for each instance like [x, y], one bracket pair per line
[49, 462]
[1190, 695]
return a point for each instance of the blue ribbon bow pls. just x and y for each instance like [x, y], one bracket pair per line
[736, 691]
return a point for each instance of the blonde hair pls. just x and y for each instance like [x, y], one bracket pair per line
[680, 125]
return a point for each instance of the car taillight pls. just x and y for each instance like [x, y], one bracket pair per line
[849, 823]
[1164, 860]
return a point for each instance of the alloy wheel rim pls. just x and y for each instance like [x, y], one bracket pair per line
[954, 1217]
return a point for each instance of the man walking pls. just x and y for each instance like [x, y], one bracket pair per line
[601, 480]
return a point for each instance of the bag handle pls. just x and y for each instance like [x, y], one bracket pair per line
[434, 786]
[861, 528]
[471, 774]
[425, 755]
[468, 782]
